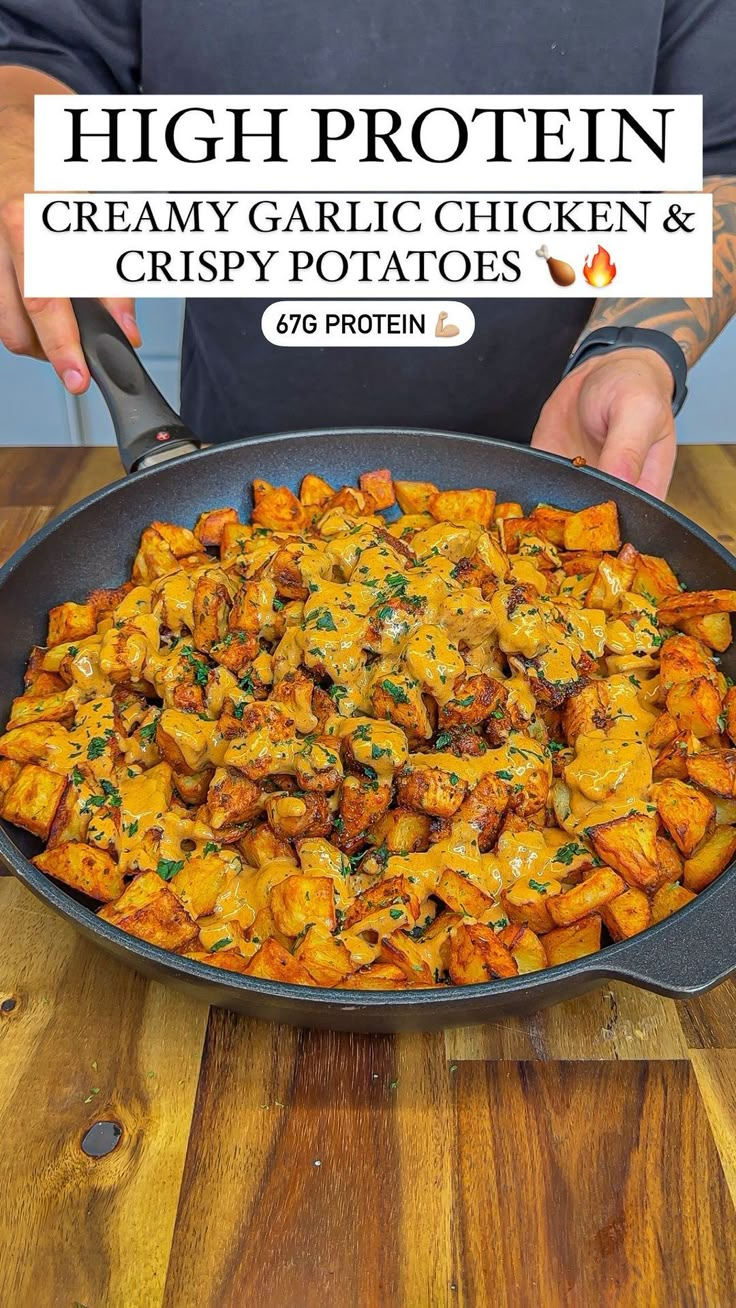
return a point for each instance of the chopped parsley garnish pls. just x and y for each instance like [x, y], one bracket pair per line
[238, 711]
[397, 693]
[497, 713]
[168, 867]
[200, 669]
[566, 853]
[362, 732]
[337, 693]
[635, 681]
[77, 777]
[465, 703]
[454, 779]
[246, 684]
[377, 751]
[443, 740]
[325, 622]
[647, 595]
[149, 731]
[396, 913]
[211, 848]
[96, 747]
[540, 886]
[278, 604]
[338, 824]
[73, 649]
[132, 827]
[220, 944]
[505, 775]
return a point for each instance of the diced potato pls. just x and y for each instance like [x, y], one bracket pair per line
[210, 525]
[549, 523]
[69, 622]
[27, 709]
[694, 604]
[507, 509]
[199, 883]
[300, 901]
[627, 914]
[28, 744]
[459, 506]
[407, 954]
[414, 496]
[386, 906]
[314, 491]
[280, 510]
[461, 894]
[377, 976]
[714, 770]
[274, 963]
[226, 960]
[149, 909]
[713, 629]
[402, 831]
[612, 578]
[710, 860]
[430, 790]
[9, 771]
[326, 958]
[379, 486]
[669, 860]
[511, 532]
[601, 886]
[669, 898]
[695, 706]
[72, 816]
[232, 798]
[233, 539]
[654, 578]
[477, 954]
[261, 844]
[32, 799]
[180, 540]
[85, 867]
[526, 948]
[210, 609]
[595, 528]
[628, 845]
[671, 762]
[682, 658]
[526, 902]
[729, 710]
[568, 943]
[687, 814]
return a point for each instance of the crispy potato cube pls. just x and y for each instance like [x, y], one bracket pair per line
[377, 976]
[549, 523]
[477, 954]
[590, 895]
[407, 954]
[460, 506]
[300, 901]
[180, 540]
[192, 787]
[461, 894]
[526, 948]
[72, 816]
[580, 563]
[386, 906]
[713, 629]
[315, 491]
[69, 622]
[362, 802]
[9, 771]
[672, 759]
[210, 610]
[682, 658]
[612, 578]
[526, 900]
[595, 528]
[687, 814]
[28, 744]
[669, 898]
[226, 959]
[85, 867]
[654, 578]
[199, 883]
[511, 532]
[565, 944]
[628, 845]
[414, 496]
[710, 860]
[149, 909]
[693, 604]
[402, 831]
[695, 706]
[261, 844]
[326, 958]
[274, 963]
[436, 938]
[233, 539]
[26, 709]
[209, 526]
[669, 860]
[507, 509]
[714, 770]
[379, 485]
[664, 732]
[232, 798]
[627, 914]
[586, 711]
[280, 510]
[729, 709]
[32, 799]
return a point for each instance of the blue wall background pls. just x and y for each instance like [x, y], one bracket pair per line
[35, 409]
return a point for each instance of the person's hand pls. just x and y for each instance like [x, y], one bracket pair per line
[41, 328]
[616, 411]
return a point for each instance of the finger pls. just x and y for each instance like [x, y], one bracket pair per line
[16, 332]
[659, 466]
[633, 428]
[52, 320]
[123, 311]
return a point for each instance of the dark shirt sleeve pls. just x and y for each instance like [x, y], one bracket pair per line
[92, 48]
[697, 55]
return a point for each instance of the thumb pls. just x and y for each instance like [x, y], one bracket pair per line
[633, 429]
[123, 311]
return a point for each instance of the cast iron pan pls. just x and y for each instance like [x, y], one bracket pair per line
[93, 544]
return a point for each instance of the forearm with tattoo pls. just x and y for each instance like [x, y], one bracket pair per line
[694, 324]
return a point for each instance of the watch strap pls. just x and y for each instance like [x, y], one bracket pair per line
[605, 339]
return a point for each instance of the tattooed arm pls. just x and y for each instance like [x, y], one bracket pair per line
[615, 409]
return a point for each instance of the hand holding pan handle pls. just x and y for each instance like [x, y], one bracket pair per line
[147, 429]
[687, 954]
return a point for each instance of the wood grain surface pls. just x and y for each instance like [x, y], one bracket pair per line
[582, 1156]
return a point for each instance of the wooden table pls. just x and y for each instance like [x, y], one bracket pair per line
[584, 1156]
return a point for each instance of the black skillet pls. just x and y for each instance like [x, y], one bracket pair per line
[93, 544]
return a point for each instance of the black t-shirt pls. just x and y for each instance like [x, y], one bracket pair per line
[234, 383]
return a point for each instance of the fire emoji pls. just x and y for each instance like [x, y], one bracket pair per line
[599, 271]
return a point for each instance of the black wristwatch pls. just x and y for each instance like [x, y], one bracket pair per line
[605, 339]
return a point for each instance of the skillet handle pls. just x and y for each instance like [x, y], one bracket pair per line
[689, 953]
[146, 428]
